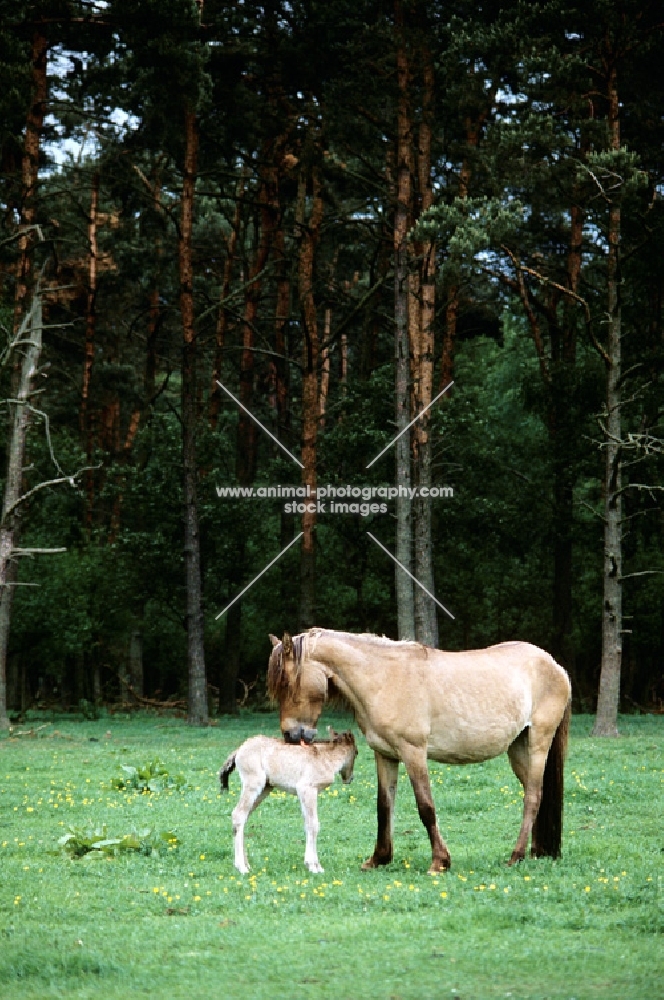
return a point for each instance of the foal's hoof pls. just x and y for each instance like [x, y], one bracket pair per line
[517, 856]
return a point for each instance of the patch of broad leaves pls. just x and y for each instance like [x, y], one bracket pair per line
[96, 843]
[151, 777]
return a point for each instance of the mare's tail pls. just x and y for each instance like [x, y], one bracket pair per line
[227, 768]
[548, 826]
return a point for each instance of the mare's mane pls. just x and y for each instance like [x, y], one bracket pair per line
[280, 683]
[277, 679]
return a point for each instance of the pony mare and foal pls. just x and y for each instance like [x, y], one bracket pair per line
[413, 703]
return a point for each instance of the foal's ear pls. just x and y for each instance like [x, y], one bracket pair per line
[274, 640]
[287, 644]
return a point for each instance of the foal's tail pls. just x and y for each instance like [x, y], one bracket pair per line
[227, 768]
[548, 826]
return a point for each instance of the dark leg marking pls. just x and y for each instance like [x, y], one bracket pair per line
[387, 772]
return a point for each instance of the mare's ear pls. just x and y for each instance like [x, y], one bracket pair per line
[287, 644]
[274, 640]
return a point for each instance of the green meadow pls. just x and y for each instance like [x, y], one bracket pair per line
[168, 916]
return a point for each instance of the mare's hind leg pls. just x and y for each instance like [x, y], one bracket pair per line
[387, 772]
[518, 758]
[418, 772]
[251, 797]
[527, 755]
[308, 797]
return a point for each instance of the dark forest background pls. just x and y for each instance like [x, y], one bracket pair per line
[267, 194]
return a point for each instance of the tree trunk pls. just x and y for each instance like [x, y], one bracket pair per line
[403, 583]
[325, 371]
[282, 310]
[229, 668]
[309, 236]
[222, 315]
[85, 418]
[96, 682]
[30, 339]
[154, 313]
[282, 400]
[136, 661]
[562, 437]
[150, 376]
[606, 720]
[473, 128]
[6, 601]
[90, 312]
[426, 622]
[197, 687]
[247, 445]
[30, 175]
[27, 323]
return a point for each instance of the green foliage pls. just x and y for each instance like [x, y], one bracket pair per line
[470, 225]
[80, 842]
[151, 777]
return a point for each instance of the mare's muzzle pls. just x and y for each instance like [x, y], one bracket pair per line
[299, 734]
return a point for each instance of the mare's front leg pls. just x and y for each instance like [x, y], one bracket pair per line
[387, 772]
[418, 772]
[308, 797]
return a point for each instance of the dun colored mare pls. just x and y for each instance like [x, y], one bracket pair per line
[414, 703]
[264, 763]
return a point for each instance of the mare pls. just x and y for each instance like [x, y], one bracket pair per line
[264, 763]
[413, 703]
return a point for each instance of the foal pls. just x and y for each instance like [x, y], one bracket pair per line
[265, 763]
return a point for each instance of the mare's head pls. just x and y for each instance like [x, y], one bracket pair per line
[298, 685]
[347, 741]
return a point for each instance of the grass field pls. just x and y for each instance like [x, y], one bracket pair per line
[185, 924]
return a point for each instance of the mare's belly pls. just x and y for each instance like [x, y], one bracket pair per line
[469, 745]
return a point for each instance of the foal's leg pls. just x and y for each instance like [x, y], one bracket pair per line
[308, 797]
[251, 797]
[527, 756]
[387, 772]
[418, 772]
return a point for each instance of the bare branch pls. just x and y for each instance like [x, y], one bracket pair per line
[47, 426]
[592, 510]
[48, 482]
[542, 278]
[30, 552]
[532, 318]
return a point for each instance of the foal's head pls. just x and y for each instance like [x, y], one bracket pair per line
[300, 692]
[347, 741]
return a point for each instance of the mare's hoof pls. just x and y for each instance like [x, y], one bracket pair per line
[440, 866]
[375, 862]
